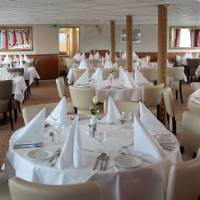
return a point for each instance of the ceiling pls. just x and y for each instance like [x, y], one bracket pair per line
[96, 11]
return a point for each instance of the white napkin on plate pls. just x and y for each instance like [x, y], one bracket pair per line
[59, 114]
[91, 57]
[150, 122]
[128, 81]
[71, 153]
[96, 56]
[122, 74]
[113, 113]
[144, 142]
[108, 63]
[97, 76]
[140, 80]
[83, 64]
[32, 133]
[84, 79]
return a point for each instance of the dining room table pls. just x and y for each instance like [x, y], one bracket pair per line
[143, 179]
[193, 103]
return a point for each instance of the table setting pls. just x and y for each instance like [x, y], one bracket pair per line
[61, 150]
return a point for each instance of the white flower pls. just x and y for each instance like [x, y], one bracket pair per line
[95, 99]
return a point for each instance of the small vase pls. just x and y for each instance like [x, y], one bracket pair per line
[93, 120]
[93, 125]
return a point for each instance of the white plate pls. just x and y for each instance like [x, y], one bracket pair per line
[40, 154]
[165, 139]
[127, 161]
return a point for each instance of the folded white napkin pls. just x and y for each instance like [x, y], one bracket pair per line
[128, 81]
[15, 58]
[122, 74]
[107, 56]
[91, 57]
[32, 133]
[71, 153]
[59, 114]
[21, 64]
[83, 64]
[83, 55]
[77, 57]
[108, 63]
[135, 56]
[113, 113]
[124, 55]
[150, 122]
[4, 74]
[84, 79]
[71, 76]
[144, 142]
[140, 80]
[6, 59]
[96, 56]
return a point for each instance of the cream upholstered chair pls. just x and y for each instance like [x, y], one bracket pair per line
[190, 131]
[177, 73]
[82, 97]
[169, 82]
[170, 108]
[184, 181]
[149, 73]
[125, 106]
[152, 95]
[23, 190]
[4, 189]
[61, 87]
[195, 86]
[194, 107]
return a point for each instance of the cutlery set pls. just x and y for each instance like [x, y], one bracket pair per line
[23, 146]
[54, 158]
[102, 161]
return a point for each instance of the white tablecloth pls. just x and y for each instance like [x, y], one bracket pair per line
[30, 74]
[193, 103]
[147, 182]
[19, 87]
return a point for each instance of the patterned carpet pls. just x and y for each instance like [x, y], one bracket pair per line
[47, 93]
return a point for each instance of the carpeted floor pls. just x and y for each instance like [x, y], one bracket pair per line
[47, 93]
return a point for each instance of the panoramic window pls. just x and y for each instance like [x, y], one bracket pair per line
[15, 38]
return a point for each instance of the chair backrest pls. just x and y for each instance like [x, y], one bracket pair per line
[190, 134]
[81, 96]
[184, 181]
[169, 82]
[60, 83]
[169, 102]
[23, 190]
[152, 95]
[16, 71]
[149, 73]
[6, 89]
[125, 106]
[29, 112]
[177, 73]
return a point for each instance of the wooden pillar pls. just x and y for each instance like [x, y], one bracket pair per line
[162, 53]
[112, 40]
[129, 42]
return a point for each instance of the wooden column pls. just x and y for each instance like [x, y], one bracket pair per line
[162, 53]
[112, 40]
[129, 42]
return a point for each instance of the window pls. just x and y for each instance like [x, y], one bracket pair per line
[185, 38]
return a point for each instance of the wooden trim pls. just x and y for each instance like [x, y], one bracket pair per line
[112, 40]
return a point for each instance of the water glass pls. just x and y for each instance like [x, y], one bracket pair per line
[100, 137]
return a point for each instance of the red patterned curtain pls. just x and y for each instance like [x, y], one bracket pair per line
[197, 38]
[5, 42]
[14, 38]
[177, 38]
[21, 38]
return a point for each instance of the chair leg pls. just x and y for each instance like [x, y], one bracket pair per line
[176, 94]
[174, 125]
[11, 117]
[15, 114]
[158, 111]
[180, 90]
[182, 149]
[18, 106]
[75, 110]
[168, 119]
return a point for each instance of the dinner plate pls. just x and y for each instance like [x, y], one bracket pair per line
[40, 154]
[165, 139]
[127, 161]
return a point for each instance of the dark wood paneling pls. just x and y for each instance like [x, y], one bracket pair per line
[47, 65]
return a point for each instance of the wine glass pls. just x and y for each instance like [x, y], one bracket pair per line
[100, 137]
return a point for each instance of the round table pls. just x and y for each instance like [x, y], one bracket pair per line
[147, 182]
[193, 103]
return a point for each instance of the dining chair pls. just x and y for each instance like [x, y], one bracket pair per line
[150, 73]
[170, 108]
[125, 106]
[6, 99]
[192, 65]
[184, 181]
[195, 86]
[169, 82]
[82, 97]
[24, 190]
[152, 96]
[4, 189]
[177, 73]
[190, 134]
[61, 87]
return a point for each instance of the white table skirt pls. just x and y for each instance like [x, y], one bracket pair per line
[147, 182]
[19, 87]
[30, 74]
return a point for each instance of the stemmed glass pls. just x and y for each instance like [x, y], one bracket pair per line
[100, 137]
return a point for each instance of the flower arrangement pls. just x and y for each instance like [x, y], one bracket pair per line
[94, 108]
[113, 70]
